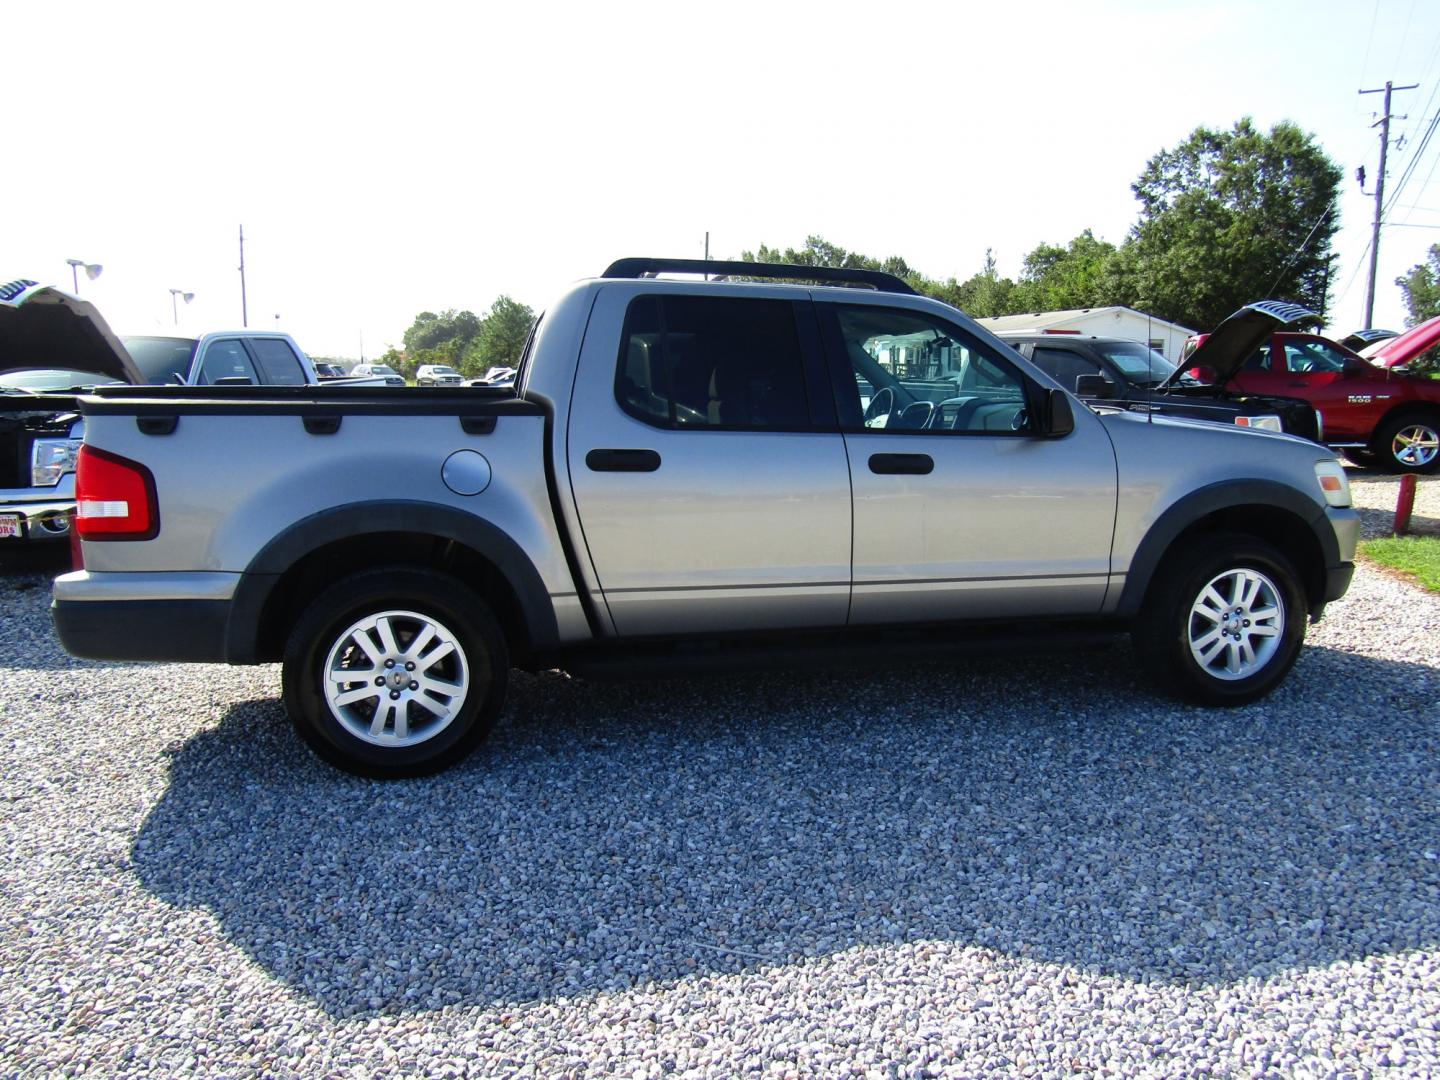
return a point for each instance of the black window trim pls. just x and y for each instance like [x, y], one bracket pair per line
[819, 403]
[842, 374]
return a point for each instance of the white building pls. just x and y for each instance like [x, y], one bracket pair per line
[1166, 338]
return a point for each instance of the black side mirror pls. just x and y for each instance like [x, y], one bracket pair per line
[1096, 386]
[1056, 419]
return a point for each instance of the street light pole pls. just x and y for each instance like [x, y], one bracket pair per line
[176, 294]
[92, 271]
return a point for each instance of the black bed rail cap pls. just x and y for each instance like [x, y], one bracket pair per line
[873, 279]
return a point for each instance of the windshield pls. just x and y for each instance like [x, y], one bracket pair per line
[381, 369]
[52, 379]
[441, 369]
[1139, 364]
[161, 359]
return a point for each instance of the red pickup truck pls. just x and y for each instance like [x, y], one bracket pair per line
[1378, 416]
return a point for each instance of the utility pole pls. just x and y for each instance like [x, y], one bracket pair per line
[707, 250]
[245, 316]
[1384, 123]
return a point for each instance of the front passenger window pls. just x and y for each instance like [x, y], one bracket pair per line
[916, 373]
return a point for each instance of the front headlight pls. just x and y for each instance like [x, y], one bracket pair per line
[1334, 484]
[1268, 422]
[50, 459]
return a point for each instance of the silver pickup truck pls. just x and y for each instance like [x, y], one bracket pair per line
[52, 342]
[686, 471]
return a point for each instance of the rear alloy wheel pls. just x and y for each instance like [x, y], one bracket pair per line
[397, 672]
[1409, 444]
[1224, 621]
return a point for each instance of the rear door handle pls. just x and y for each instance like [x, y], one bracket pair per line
[901, 464]
[622, 460]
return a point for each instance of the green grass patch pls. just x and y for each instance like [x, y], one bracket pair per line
[1418, 556]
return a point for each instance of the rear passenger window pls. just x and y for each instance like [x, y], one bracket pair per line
[226, 360]
[278, 363]
[712, 361]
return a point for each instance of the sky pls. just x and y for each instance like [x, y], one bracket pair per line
[386, 159]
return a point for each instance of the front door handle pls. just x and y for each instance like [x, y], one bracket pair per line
[901, 464]
[622, 460]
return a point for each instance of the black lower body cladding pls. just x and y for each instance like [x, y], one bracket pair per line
[185, 631]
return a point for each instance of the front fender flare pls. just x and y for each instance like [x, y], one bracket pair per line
[1201, 503]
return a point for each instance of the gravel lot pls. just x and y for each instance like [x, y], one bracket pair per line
[1029, 866]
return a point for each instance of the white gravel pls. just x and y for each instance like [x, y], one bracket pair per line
[1022, 867]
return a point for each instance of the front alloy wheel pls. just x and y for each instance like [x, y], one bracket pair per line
[1236, 624]
[1223, 620]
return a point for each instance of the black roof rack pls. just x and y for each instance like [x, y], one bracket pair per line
[874, 279]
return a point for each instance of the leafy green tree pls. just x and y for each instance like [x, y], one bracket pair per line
[1421, 286]
[1228, 217]
[1061, 278]
[981, 295]
[501, 336]
[820, 252]
[451, 331]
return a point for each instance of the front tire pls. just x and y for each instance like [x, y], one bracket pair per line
[1224, 620]
[395, 672]
[1409, 444]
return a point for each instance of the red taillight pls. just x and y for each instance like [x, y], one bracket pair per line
[114, 498]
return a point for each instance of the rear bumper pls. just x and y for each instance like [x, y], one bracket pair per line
[44, 519]
[174, 630]
[144, 616]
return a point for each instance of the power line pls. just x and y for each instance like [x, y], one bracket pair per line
[1304, 244]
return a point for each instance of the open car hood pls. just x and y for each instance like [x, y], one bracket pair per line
[42, 327]
[1401, 350]
[1233, 342]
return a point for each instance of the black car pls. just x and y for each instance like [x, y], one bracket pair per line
[1116, 373]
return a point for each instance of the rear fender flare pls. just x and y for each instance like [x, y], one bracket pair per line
[267, 569]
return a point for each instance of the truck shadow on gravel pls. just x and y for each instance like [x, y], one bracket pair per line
[613, 835]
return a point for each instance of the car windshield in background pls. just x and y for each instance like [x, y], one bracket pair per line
[50, 379]
[1143, 366]
[440, 369]
[161, 359]
[381, 369]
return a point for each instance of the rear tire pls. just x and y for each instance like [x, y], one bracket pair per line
[1409, 443]
[1223, 621]
[399, 671]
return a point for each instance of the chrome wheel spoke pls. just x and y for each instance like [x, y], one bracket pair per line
[422, 639]
[350, 697]
[1211, 650]
[362, 638]
[387, 635]
[440, 652]
[382, 718]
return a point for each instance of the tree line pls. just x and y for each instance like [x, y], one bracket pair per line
[471, 344]
[1226, 218]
